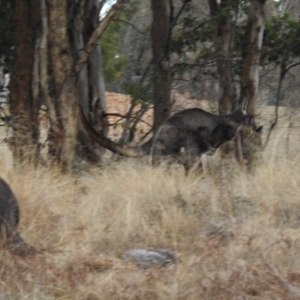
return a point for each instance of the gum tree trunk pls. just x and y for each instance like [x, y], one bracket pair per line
[86, 148]
[48, 36]
[96, 105]
[64, 139]
[251, 144]
[222, 41]
[251, 54]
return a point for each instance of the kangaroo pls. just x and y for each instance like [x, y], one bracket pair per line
[9, 220]
[195, 130]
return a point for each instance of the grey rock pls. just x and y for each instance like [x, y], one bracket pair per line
[148, 258]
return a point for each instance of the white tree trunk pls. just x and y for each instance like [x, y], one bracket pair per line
[251, 53]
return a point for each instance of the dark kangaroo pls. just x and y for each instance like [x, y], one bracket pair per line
[202, 141]
[9, 220]
[195, 130]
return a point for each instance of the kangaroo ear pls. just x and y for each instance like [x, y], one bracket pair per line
[244, 106]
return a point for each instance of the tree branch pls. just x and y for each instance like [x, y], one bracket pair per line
[97, 34]
[134, 27]
[125, 117]
[274, 123]
[138, 119]
[283, 72]
[175, 19]
[291, 66]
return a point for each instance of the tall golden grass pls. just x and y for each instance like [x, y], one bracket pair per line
[237, 232]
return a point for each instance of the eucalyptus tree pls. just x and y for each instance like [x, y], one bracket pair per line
[57, 61]
[282, 49]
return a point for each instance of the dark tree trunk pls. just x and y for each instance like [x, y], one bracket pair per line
[54, 124]
[48, 35]
[222, 41]
[23, 109]
[160, 44]
[283, 71]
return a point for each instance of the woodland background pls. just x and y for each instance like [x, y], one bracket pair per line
[237, 231]
[55, 55]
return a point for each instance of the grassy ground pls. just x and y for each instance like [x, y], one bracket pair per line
[237, 233]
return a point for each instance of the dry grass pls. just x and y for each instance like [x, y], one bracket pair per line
[237, 233]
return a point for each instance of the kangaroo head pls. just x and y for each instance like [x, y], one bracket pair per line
[243, 117]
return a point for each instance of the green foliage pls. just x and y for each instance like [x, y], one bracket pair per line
[194, 35]
[140, 94]
[113, 62]
[281, 40]
[191, 32]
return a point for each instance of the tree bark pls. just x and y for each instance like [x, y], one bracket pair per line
[22, 106]
[251, 144]
[282, 74]
[160, 44]
[63, 141]
[97, 34]
[96, 104]
[222, 41]
[251, 54]
[85, 147]
[44, 69]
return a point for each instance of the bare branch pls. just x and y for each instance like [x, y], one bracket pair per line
[115, 115]
[175, 19]
[130, 24]
[281, 78]
[291, 66]
[274, 123]
[138, 119]
[267, 72]
[125, 117]
[97, 34]
[124, 136]
[146, 134]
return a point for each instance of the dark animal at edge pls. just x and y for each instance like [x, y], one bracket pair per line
[194, 130]
[9, 220]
